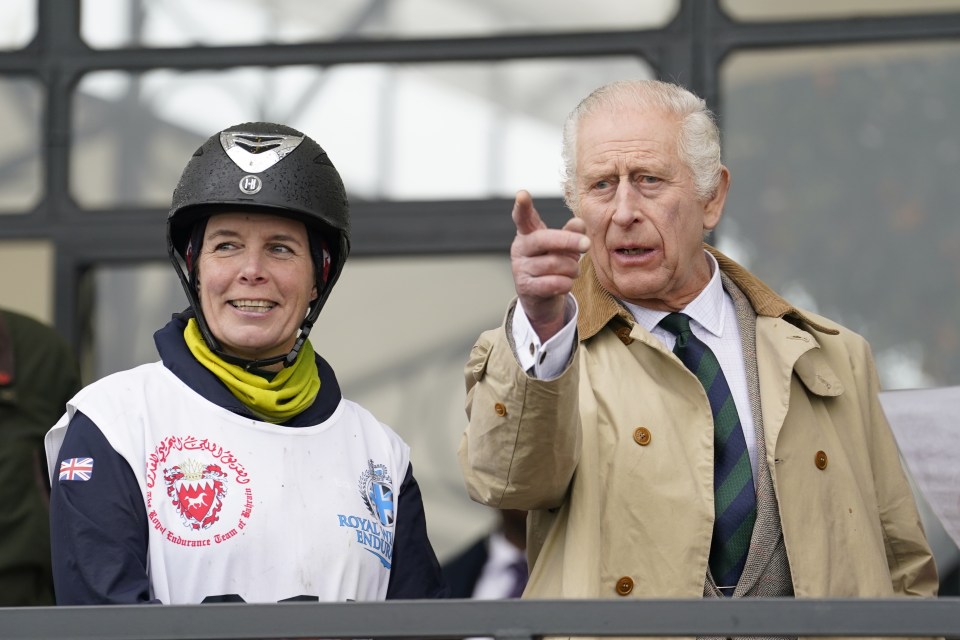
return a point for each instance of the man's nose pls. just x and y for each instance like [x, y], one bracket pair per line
[626, 204]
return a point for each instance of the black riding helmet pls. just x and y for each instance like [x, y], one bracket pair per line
[271, 168]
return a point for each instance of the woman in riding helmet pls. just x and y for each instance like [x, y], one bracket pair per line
[233, 470]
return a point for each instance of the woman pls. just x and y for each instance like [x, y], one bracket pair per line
[233, 469]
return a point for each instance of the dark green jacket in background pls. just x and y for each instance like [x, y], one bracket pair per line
[38, 374]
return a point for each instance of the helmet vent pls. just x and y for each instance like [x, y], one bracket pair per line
[323, 159]
[256, 152]
[257, 144]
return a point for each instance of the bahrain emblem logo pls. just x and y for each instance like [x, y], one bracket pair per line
[197, 491]
[198, 494]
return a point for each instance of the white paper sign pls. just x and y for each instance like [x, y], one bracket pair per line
[926, 424]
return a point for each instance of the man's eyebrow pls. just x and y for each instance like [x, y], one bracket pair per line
[596, 170]
[610, 169]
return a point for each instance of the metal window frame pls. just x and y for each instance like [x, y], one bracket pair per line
[689, 50]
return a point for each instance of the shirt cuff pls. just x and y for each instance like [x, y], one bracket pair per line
[547, 360]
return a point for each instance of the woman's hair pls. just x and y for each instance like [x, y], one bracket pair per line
[698, 144]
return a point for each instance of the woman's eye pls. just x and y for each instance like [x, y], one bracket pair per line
[649, 179]
[224, 246]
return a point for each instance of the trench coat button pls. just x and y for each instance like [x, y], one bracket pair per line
[624, 586]
[641, 435]
[623, 332]
[500, 409]
[820, 460]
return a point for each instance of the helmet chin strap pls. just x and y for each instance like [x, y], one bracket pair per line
[287, 359]
[291, 356]
[254, 364]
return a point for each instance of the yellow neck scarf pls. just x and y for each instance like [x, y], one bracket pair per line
[292, 390]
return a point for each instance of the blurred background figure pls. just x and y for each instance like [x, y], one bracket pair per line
[38, 374]
[495, 566]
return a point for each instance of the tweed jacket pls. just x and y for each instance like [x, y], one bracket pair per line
[615, 456]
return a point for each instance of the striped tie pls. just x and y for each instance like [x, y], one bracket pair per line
[734, 497]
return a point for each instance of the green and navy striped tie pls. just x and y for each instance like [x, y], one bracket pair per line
[735, 499]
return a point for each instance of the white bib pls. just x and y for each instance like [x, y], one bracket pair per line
[239, 507]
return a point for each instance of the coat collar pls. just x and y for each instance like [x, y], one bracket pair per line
[598, 307]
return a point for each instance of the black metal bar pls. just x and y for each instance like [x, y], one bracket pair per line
[66, 279]
[355, 50]
[728, 34]
[378, 229]
[507, 619]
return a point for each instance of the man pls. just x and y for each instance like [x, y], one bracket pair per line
[595, 404]
[495, 566]
[38, 374]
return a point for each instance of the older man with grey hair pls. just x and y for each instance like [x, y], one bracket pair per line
[675, 427]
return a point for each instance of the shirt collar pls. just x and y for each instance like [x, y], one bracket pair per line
[598, 308]
[501, 551]
[707, 309]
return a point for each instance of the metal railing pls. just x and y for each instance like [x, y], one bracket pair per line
[504, 620]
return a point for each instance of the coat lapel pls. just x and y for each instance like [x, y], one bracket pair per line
[767, 558]
[779, 345]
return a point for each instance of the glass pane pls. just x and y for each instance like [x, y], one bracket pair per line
[31, 291]
[812, 9]
[410, 377]
[395, 132]
[19, 24]
[129, 303]
[844, 165]
[176, 23]
[21, 107]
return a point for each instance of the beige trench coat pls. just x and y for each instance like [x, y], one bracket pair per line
[611, 501]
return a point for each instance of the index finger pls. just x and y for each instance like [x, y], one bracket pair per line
[525, 215]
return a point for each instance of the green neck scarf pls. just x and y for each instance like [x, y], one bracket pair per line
[292, 390]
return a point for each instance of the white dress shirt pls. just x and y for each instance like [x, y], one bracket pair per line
[713, 320]
[497, 578]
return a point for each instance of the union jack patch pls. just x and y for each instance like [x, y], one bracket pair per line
[76, 469]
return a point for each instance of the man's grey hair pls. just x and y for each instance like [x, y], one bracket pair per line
[698, 144]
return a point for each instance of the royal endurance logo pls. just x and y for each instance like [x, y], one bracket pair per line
[375, 533]
[375, 487]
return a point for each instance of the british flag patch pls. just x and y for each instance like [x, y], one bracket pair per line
[76, 469]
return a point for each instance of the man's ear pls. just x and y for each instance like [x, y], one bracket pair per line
[713, 208]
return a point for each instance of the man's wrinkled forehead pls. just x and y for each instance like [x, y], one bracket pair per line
[612, 138]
